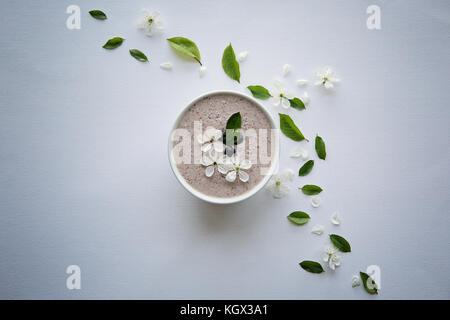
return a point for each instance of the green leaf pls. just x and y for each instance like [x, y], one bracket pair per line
[138, 55]
[259, 92]
[296, 103]
[320, 148]
[235, 121]
[113, 43]
[289, 128]
[311, 266]
[299, 217]
[230, 64]
[98, 14]
[311, 189]
[340, 243]
[368, 283]
[306, 168]
[185, 47]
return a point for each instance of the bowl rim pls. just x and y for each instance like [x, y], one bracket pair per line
[241, 197]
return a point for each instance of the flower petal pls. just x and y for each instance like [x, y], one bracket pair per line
[287, 175]
[242, 56]
[285, 103]
[206, 161]
[202, 71]
[302, 82]
[166, 65]
[206, 147]
[315, 202]
[356, 281]
[245, 164]
[275, 100]
[222, 169]
[231, 176]
[243, 176]
[328, 85]
[305, 98]
[218, 146]
[286, 69]
[209, 171]
[335, 219]
[317, 229]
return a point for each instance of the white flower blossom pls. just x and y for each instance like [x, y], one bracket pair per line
[211, 161]
[356, 281]
[331, 257]
[326, 78]
[305, 98]
[317, 229]
[280, 95]
[202, 71]
[299, 152]
[335, 219]
[166, 65]
[243, 56]
[302, 82]
[150, 22]
[286, 69]
[315, 201]
[234, 166]
[278, 183]
[211, 139]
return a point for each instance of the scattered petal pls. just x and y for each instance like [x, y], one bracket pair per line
[286, 69]
[166, 66]
[335, 219]
[356, 281]
[317, 229]
[243, 56]
[315, 201]
[202, 71]
[302, 82]
[305, 98]
[299, 152]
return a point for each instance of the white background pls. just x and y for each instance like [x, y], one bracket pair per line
[85, 180]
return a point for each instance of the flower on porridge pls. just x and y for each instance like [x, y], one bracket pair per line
[211, 161]
[211, 139]
[278, 184]
[331, 257]
[280, 94]
[235, 166]
[326, 78]
[150, 22]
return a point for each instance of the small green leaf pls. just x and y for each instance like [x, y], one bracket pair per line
[311, 266]
[98, 14]
[289, 128]
[299, 217]
[113, 43]
[306, 168]
[230, 64]
[235, 121]
[259, 92]
[296, 103]
[320, 148]
[368, 283]
[138, 55]
[185, 47]
[311, 190]
[340, 243]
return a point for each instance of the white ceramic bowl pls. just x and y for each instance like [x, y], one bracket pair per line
[219, 200]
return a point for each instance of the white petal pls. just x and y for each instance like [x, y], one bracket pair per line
[245, 164]
[166, 65]
[275, 100]
[159, 24]
[222, 169]
[211, 132]
[325, 257]
[243, 176]
[318, 82]
[281, 191]
[231, 176]
[155, 14]
[334, 80]
[146, 13]
[285, 103]
[206, 161]
[279, 85]
[356, 281]
[328, 85]
[206, 147]
[286, 69]
[305, 98]
[335, 219]
[296, 152]
[218, 146]
[209, 171]
[287, 175]
[315, 202]
[242, 56]
[331, 264]
[302, 82]
[202, 71]
[317, 229]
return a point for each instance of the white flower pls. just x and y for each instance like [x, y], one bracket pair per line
[166, 65]
[202, 71]
[211, 139]
[234, 166]
[212, 161]
[243, 56]
[326, 78]
[331, 257]
[149, 22]
[305, 98]
[302, 82]
[278, 184]
[335, 219]
[299, 152]
[315, 201]
[286, 69]
[280, 95]
[356, 281]
[317, 229]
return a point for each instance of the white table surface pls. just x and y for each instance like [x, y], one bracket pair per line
[84, 176]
